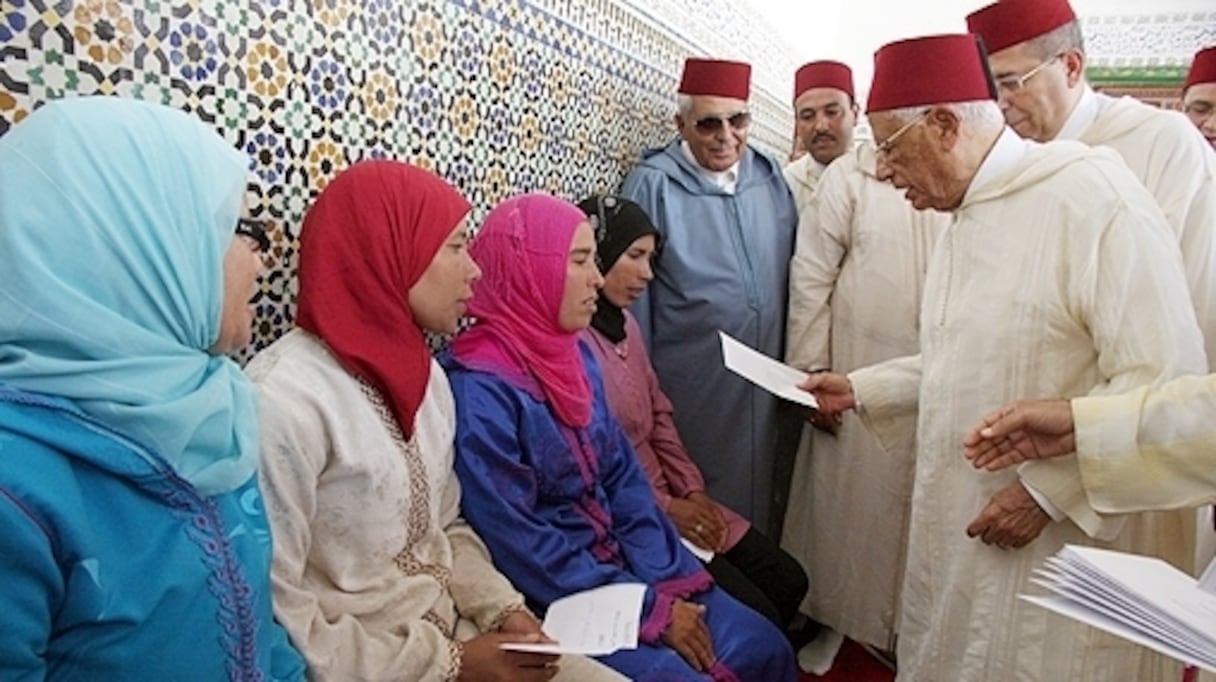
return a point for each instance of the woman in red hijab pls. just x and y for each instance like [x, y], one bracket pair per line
[375, 574]
[552, 483]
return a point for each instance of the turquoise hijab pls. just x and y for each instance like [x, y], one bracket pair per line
[114, 219]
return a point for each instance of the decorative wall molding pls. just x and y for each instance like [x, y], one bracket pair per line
[1147, 40]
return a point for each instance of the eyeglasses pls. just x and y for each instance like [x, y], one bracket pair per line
[1014, 84]
[884, 148]
[255, 230]
[711, 124]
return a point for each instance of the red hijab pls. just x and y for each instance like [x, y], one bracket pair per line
[523, 250]
[366, 241]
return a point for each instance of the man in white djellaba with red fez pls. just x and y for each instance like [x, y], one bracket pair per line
[856, 280]
[825, 114]
[1058, 276]
[1037, 56]
[726, 222]
[1199, 93]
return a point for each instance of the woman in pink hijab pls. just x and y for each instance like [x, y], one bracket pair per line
[552, 484]
[376, 576]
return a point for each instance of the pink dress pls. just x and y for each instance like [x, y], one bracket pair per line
[644, 412]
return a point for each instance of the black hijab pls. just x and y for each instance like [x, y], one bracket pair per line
[617, 223]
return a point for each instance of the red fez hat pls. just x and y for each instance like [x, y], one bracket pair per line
[1006, 23]
[1203, 68]
[716, 77]
[823, 74]
[930, 70]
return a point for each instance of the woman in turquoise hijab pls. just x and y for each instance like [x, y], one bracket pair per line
[133, 538]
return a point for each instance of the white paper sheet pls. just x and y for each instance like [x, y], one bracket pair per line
[705, 555]
[779, 379]
[594, 622]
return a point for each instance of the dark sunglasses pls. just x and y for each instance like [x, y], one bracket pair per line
[255, 230]
[712, 124]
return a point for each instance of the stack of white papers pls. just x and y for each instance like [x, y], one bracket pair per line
[594, 622]
[1139, 598]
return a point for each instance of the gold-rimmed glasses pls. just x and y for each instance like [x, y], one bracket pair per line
[1013, 84]
[883, 148]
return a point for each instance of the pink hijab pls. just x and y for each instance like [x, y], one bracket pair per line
[523, 249]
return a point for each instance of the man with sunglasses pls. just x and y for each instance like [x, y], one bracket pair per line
[726, 220]
[1037, 58]
[1056, 276]
[855, 286]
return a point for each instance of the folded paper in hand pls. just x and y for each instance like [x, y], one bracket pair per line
[1139, 598]
[594, 622]
[779, 379]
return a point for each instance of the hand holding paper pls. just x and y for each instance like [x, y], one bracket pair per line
[594, 622]
[828, 393]
[779, 379]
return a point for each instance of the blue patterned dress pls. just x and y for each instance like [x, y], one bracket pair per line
[564, 510]
[115, 568]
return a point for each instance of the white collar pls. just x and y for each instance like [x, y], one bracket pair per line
[724, 179]
[1083, 115]
[1008, 150]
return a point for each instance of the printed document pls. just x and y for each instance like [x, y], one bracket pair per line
[594, 622]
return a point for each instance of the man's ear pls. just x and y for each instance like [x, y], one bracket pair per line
[944, 124]
[1074, 66]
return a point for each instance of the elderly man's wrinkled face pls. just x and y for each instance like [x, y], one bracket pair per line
[1199, 102]
[1034, 91]
[910, 159]
[716, 130]
[824, 119]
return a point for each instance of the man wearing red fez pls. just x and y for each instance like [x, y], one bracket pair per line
[1199, 93]
[1038, 60]
[726, 220]
[855, 284]
[824, 117]
[1057, 276]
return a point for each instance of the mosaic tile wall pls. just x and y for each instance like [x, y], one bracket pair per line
[499, 96]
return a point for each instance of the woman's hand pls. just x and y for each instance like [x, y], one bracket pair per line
[699, 520]
[689, 635]
[485, 661]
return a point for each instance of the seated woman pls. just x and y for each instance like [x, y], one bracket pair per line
[375, 574]
[133, 541]
[551, 482]
[746, 563]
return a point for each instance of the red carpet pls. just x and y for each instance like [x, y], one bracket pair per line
[854, 664]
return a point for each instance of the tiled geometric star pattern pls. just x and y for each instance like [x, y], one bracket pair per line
[498, 96]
